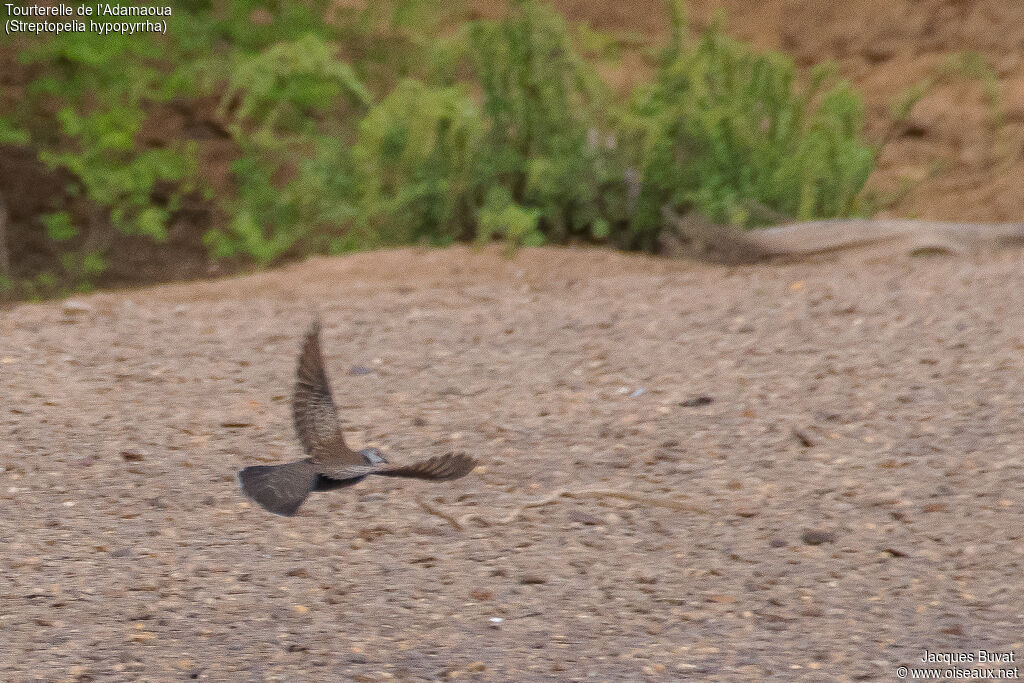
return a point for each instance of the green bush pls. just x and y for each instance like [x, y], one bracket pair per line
[728, 132]
[289, 83]
[84, 114]
[281, 105]
[358, 128]
[528, 164]
[274, 74]
[549, 126]
[115, 174]
[500, 215]
[415, 164]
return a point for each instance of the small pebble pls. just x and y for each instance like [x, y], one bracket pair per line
[802, 437]
[817, 537]
[73, 307]
[584, 518]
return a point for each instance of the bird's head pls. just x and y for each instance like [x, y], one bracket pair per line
[373, 456]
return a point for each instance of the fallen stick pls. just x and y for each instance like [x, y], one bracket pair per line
[438, 512]
[461, 522]
[703, 239]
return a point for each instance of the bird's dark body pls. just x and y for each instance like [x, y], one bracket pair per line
[331, 464]
[327, 484]
[371, 456]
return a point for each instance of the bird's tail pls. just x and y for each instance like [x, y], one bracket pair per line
[278, 488]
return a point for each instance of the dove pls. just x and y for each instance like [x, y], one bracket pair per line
[331, 464]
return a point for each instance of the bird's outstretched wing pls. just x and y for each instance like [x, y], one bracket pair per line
[437, 468]
[313, 409]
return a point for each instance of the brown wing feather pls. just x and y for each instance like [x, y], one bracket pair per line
[313, 409]
[333, 455]
[437, 468]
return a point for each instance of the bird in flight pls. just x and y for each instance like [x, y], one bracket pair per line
[331, 464]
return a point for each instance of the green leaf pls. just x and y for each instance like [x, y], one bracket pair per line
[11, 135]
[59, 226]
[152, 222]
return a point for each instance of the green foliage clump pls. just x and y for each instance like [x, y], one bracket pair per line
[280, 104]
[358, 128]
[288, 83]
[99, 88]
[415, 165]
[550, 145]
[116, 175]
[10, 134]
[729, 133]
[500, 215]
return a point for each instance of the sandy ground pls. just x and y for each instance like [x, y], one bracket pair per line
[701, 541]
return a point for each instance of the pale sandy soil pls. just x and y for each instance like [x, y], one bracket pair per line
[562, 369]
